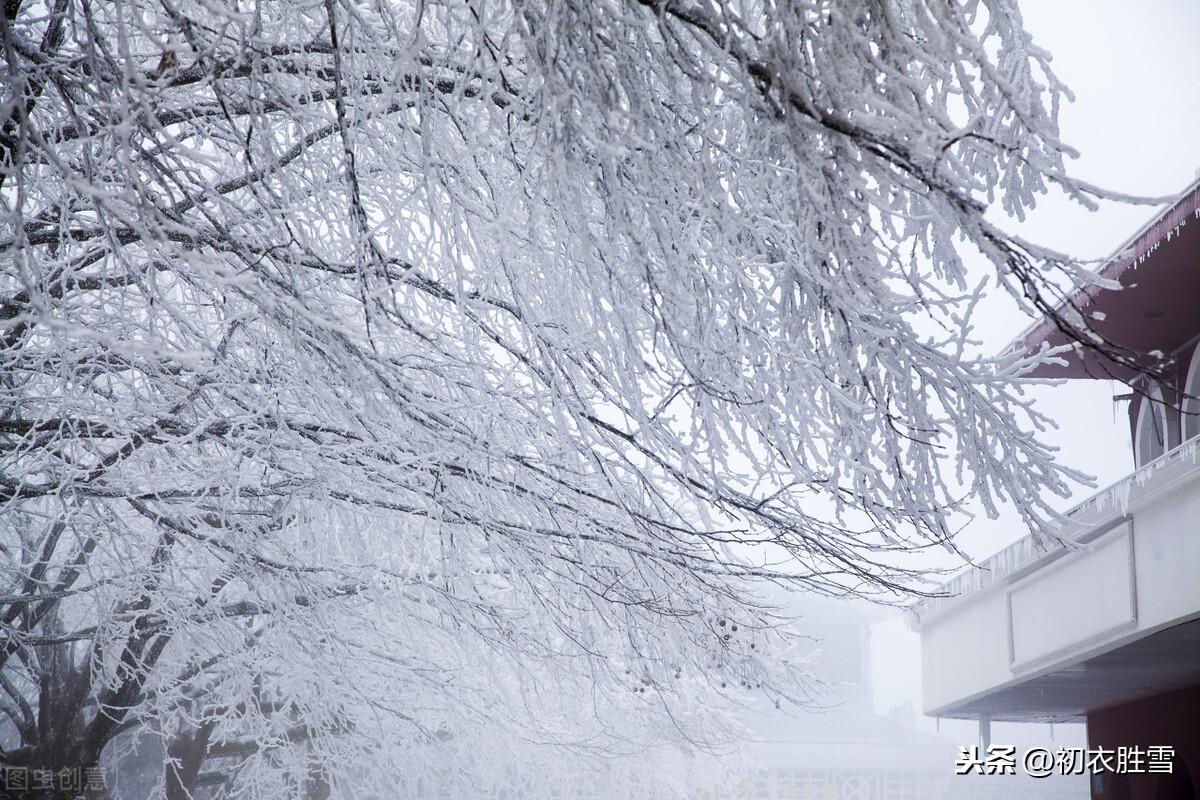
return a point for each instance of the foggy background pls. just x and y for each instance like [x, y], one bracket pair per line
[1136, 124]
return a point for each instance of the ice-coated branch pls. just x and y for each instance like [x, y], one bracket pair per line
[375, 376]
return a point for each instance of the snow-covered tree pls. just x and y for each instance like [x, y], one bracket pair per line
[405, 383]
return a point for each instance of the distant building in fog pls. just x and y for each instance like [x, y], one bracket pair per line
[1107, 632]
[848, 751]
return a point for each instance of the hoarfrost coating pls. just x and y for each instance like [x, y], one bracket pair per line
[374, 377]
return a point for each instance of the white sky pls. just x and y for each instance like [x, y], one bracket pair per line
[1136, 122]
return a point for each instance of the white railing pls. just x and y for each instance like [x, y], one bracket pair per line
[1148, 481]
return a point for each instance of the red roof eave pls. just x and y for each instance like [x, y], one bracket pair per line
[1121, 310]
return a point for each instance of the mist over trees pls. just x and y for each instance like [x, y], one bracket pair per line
[394, 393]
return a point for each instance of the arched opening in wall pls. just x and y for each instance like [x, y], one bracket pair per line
[1191, 400]
[1150, 440]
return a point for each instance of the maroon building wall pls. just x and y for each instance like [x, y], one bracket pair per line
[1171, 718]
